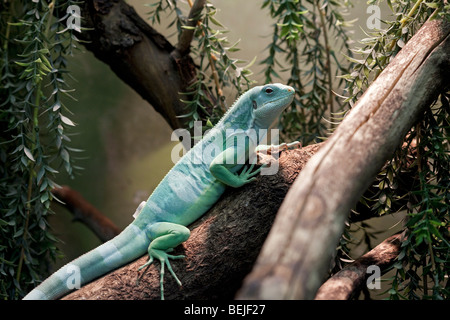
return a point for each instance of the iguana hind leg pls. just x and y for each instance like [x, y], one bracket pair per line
[164, 237]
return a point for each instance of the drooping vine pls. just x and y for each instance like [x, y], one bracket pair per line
[35, 144]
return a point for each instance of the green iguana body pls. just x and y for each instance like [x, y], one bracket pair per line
[188, 190]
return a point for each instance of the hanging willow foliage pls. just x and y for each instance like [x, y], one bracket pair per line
[307, 41]
[217, 69]
[34, 145]
[422, 268]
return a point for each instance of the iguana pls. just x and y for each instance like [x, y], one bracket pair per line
[187, 191]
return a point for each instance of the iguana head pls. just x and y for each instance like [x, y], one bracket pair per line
[268, 102]
[259, 107]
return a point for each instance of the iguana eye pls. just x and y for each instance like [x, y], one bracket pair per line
[255, 105]
[269, 90]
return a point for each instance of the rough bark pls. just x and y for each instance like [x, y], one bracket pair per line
[139, 55]
[349, 281]
[295, 258]
[222, 248]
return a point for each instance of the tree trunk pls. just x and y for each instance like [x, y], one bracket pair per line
[296, 256]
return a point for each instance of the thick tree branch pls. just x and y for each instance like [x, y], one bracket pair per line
[139, 55]
[222, 248]
[349, 281]
[291, 265]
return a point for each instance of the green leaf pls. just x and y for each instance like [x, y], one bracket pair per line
[42, 224]
[413, 220]
[28, 154]
[67, 121]
[56, 106]
[22, 64]
[44, 197]
[18, 233]
[216, 22]
[353, 59]
[433, 5]
[65, 155]
[40, 175]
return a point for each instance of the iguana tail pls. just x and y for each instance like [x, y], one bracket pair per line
[130, 244]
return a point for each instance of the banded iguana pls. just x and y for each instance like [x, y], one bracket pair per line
[188, 190]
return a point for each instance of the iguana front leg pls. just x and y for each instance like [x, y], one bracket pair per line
[227, 163]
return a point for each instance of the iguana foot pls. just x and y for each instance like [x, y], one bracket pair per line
[163, 257]
[247, 174]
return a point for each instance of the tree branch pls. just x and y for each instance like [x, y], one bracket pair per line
[86, 213]
[222, 248]
[350, 280]
[184, 43]
[139, 55]
[291, 265]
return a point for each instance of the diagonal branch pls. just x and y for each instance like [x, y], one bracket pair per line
[86, 213]
[290, 265]
[349, 281]
[184, 42]
[139, 55]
